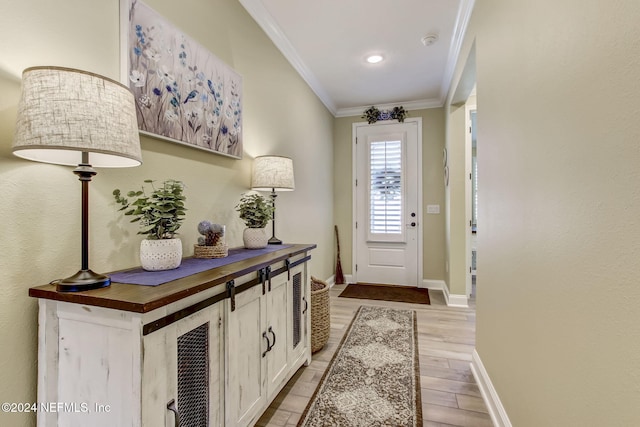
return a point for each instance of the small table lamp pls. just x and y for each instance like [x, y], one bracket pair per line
[272, 173]
[76, 118]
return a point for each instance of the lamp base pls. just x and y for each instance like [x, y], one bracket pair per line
[274, 241]
[83, 280]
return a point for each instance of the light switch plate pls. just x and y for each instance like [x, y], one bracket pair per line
[433, 209]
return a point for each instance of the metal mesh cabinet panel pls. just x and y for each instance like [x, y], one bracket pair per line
[193, 377]
[297, 299]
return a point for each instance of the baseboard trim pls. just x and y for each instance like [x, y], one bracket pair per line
[496, 411]
[437, 285]
[455, 300]
[452, 300]
[332, 280]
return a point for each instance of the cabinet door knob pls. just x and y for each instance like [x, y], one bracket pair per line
[264, 353]
[173, 408]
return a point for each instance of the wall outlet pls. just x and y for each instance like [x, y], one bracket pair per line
[433, 209]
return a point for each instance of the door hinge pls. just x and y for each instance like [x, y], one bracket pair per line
[356, 182]
[470, 223]
[469, 176]
[220, 322]
[356, 267]
[469, 269]
[469, 129]
[356, 224]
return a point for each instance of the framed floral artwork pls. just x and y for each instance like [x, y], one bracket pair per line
[183, 92]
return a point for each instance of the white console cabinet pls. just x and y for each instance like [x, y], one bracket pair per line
[211, 349]
[268, 342]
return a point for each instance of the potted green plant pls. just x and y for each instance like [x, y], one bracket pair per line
[256, 211]
[159, 212]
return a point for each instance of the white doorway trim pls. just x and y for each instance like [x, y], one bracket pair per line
[469, 107]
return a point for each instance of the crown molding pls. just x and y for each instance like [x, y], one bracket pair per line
[263, 18]
[259, 13]
[410, 105]
[460, 28]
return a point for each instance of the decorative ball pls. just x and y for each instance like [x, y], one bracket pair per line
[203, 227]
[217, 229]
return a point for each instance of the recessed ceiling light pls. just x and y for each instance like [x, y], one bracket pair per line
[374, 59]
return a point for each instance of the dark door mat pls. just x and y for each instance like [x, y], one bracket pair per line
[387, 293]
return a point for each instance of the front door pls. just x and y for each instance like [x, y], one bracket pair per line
[387, 195]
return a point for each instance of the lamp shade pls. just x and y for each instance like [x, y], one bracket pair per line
[272, 173]
[64, 112]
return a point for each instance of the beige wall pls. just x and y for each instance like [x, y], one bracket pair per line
[41, 203]
[432, 185]
[559, 180]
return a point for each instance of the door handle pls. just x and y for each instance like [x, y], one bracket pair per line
[264, 353]
[306, 305]
[274, 337]
[172, 407]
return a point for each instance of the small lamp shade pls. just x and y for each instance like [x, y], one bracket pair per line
[64, 112]
[272, 173]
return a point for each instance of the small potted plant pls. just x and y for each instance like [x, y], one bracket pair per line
[211, 244]
[160, 214]
[256, 211]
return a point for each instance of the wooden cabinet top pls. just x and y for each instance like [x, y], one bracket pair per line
[142, 299]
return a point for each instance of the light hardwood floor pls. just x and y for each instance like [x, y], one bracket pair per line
[446, 338]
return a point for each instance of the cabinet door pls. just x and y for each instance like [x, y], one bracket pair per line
[182, 371]
[246, 357]
[299, 314]
[277, 327]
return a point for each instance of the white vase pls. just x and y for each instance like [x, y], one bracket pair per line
[164, 254]
[255, 238]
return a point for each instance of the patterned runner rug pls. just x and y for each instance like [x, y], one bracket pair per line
[374, 376]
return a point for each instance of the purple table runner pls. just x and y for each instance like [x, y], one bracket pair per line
[189, 266]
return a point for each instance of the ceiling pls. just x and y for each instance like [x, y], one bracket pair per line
[328, 41]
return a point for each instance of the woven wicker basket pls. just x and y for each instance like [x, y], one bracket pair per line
[320, 314]
[220, 250]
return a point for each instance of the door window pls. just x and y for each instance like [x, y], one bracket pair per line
[386, 190]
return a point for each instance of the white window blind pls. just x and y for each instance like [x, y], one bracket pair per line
[385, 190]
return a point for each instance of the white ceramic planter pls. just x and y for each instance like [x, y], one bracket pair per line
[255, 238]
[156, 255]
